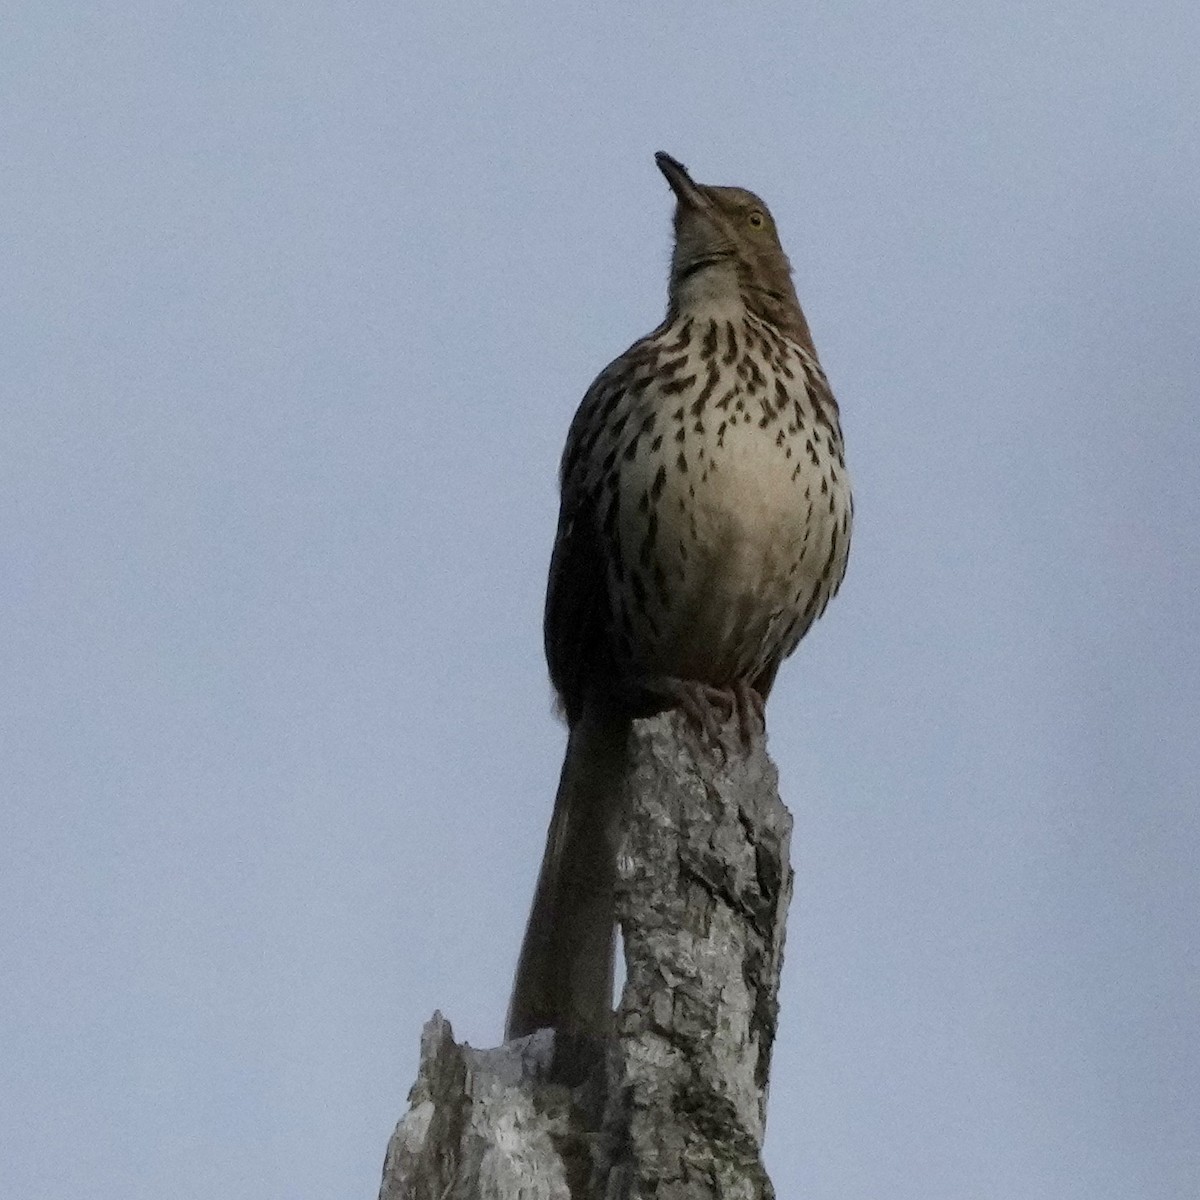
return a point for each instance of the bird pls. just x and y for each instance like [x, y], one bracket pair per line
[704, 524]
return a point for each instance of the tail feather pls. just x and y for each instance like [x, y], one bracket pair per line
[564, 975]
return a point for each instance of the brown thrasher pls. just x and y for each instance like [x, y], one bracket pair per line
[704, 525]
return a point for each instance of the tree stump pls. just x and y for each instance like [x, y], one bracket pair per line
[671, 1106]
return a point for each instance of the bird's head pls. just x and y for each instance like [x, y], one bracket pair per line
[726, 246]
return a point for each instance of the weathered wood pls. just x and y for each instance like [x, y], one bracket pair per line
[673, 1105]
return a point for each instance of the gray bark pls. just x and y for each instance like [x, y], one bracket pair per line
[673, 1104]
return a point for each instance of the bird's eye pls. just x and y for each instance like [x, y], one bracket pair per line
[756, 219]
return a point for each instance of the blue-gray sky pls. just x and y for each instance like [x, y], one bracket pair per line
[298, 302]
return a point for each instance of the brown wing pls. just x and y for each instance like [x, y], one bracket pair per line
[577, 622]
[576, 605]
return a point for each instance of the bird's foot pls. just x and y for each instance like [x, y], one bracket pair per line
[712, 709]
[751, 711]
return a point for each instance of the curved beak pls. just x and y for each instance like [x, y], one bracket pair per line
[686, 190]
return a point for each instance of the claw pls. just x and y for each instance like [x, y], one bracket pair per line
[751, 711]
[700, 705]
[711, 708]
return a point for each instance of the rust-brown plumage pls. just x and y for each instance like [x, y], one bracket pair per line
[704, 525]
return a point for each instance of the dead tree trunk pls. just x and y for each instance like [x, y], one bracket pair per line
[672, 1105]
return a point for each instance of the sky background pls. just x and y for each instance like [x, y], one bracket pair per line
[297, 304]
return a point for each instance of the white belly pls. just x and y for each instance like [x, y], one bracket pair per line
[741, 558]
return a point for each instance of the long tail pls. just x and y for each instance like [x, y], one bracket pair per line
[565, 973]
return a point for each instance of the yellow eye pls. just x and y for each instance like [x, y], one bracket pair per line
[756, 219]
